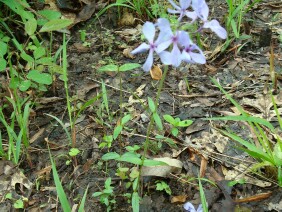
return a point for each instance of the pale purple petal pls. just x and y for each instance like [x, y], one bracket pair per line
[142, 48]
[186, 57]
[216, 28]
[175, 56]
[149, 31]
[192, 15]
[164, 25]
[189, 207]
[174, 5]
[165, 57]
[183, 38]
[201, 8]
[200, 208]
[198, 58]
[184, 4]
[173, 11]
[149, 62]
[163, 46]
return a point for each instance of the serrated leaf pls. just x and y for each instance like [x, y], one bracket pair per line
[110, 156]
[129, 66]
[30, 26]
[110, 67]
[55, 24]
[41, 78]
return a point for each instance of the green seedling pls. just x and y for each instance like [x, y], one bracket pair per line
[156, 116]
[176, 123]
[163, 186]
[106, 196]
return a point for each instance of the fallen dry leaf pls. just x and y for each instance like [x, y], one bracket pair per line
[156, 73]
[178, 199]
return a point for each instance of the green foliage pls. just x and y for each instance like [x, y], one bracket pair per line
[267, 154]
[163, 186]
[176, 122]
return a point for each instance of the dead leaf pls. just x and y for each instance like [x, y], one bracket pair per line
[127, 19]
[178, 199]
[156, 73]
[127, 53]
[173, 166]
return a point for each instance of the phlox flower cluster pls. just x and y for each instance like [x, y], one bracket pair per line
[181, 47]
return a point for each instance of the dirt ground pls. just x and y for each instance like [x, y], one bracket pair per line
[245, 74]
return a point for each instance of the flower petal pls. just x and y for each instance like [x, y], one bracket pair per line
[192, 15]
[184, 38]
[198, 58]
[189, 207]
[149, 62]
[142, 48]
[163, 46]
[186, 57]
[175, 56]
[174, 5]
[149, 31]
[173, 11]
[184, 4]
[165, 57]
[201, 8]
[216, 28]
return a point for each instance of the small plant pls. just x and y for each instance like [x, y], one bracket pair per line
[267, 154]
[106, 196]
[163, 186]
[176, 122]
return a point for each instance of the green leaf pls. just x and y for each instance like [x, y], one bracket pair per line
[110, 156]
[110, 67]
[45, 61]
[117, 131]
[30, 26]
[74, 152]
[158, 121]
[135, 202]
[152, 105]
[169, 119]
[125, 119]
[3, 48]
[55, 24]
[26, 57]
[19, 204]
[148, 162]
[96, 194]
[50, 14]
[174, 131]
[3, 64]
[185, 123]
[25, 85]
[129, 66]
[82, 203]
[131, 157]
[41, 78]
[39, 52]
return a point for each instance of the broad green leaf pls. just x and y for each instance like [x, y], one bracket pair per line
[50, 14]
[39, 52]
[110, 67]
[125, 119]
[3, 48]
[117, 131]
[129, 66]
[158, 121]
[74, 152]
[135, 202]
[30, 26]
[96, 194]
[3, 64]
[26, 57]
[55, 24]
[148, 162]
[19, 204]
[169, 119]
[174, 131]
[152, 105]
[41, 78]
[130, 157]
[25, 85]
[45, 61]
[110, 156]
[184, 123]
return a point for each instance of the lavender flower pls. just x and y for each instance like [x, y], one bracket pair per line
[202, 10]
[190, 208]
[149, 32]
[191, 52]
[182, 9]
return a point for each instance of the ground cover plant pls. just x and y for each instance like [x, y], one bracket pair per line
[174, 112]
